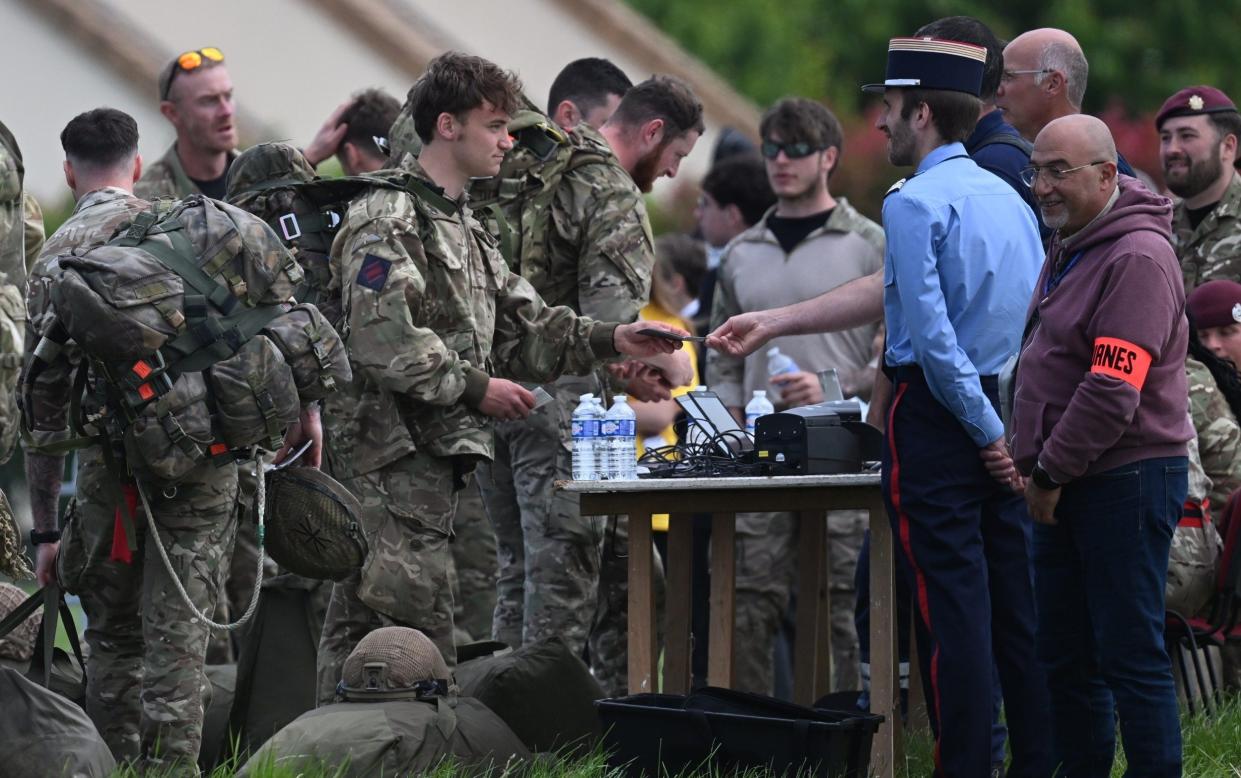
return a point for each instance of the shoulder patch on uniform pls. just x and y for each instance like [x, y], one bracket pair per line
[895, 187]
[374, 272]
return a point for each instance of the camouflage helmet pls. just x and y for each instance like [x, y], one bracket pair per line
[393, 659]
[19, 644]
[403, 138]
[312, 524]
[263, 164]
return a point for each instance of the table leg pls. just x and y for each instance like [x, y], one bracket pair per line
[884, 688]
[642, 649]
[678, 598]
[723, 603]
[811, 554]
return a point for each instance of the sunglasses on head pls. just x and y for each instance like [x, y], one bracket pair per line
[190, 61]
[771, 149]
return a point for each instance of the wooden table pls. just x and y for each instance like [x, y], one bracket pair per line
[809, 496]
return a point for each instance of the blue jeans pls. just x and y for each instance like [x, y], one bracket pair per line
[1099, 580]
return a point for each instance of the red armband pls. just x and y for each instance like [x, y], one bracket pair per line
[1121, 359]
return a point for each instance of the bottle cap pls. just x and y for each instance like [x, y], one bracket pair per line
[586, 397]
[700, 388]
[622, 398]
[760, 392]
[771, 352]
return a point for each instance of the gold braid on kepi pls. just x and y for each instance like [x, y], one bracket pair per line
[13, 562]
[403, 656]
[18, 645]
[312, 524]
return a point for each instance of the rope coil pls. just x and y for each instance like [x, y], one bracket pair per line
[260, 498]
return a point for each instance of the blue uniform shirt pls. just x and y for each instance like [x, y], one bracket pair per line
[962, 257]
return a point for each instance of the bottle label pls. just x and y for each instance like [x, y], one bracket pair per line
[585, 428]
[750, 418]
[617, 427]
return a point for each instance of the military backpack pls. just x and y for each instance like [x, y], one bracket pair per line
[274, 182]
[515, 205]
[188, 316]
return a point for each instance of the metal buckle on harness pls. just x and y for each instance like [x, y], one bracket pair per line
[287, 220]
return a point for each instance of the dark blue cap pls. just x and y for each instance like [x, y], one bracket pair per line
[932, 63]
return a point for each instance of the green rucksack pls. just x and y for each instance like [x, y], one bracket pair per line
[274, 182]
[188, 316]
[515, 205]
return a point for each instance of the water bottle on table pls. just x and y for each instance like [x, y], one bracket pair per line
[586, 448]
[759, 405]
[620, 440]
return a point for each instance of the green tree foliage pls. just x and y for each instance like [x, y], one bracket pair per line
[1139, 52]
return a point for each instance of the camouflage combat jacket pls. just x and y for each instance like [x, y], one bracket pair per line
[1219, 436]
[95, 218]
[12, 211]
[166, 178]
[1213, 250]
[431, 310]
[599, 253]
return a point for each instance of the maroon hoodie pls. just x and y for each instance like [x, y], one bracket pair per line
[1101, 381]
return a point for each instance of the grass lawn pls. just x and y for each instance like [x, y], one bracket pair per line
[1212, 748]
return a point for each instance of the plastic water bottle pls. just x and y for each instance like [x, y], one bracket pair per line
[779, 364]
[620, 440]
[586, 441]
[758, 406]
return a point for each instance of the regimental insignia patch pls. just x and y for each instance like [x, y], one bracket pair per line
[374, 272]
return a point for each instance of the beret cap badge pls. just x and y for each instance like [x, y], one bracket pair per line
[1196, 102]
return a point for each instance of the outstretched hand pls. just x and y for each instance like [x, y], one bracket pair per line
[742, 335]
[627, 340]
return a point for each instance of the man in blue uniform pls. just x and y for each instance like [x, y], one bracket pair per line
[962, 256]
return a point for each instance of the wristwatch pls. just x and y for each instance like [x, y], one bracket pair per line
[39, 538]
[1043, 480]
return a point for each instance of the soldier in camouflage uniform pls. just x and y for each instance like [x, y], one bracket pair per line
[14, 228]
[1199, 129]
[787, 257]
[592, 251]
[144, 673]
[1219, 436]
[433, 313]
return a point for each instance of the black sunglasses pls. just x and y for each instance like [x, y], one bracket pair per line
[771, 149]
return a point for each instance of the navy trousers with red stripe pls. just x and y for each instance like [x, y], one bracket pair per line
[965, 543]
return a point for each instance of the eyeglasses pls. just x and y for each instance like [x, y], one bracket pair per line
[1031, 174]
[771, 149]
[188, 62]
[1009, 75]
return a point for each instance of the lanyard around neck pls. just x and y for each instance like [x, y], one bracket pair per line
[1054, 280]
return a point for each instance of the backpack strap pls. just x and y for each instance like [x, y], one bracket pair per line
[1006, 139]
[506, 232]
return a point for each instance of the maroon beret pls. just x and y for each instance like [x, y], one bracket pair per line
[1194, 101]
[1215, 304]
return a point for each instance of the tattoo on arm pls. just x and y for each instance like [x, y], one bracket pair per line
[43, 477]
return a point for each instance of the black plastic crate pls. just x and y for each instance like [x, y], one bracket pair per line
[664, 734]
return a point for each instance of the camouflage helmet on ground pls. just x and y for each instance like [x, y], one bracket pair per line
[261, 165]
[18, 645]
[312, 524]
[393, 659]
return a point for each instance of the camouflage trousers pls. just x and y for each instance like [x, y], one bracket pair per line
[766, 575]
[609, 634]
[145, 668]
[474, 565]
[407, 512]
[548, 552]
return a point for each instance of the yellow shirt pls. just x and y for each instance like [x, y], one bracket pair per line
[654, 312]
